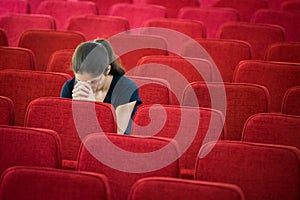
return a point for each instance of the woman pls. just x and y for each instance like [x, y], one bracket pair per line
[99, 77]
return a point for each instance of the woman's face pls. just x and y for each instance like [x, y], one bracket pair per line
[94, 82]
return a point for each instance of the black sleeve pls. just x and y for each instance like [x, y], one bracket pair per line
[67, 89]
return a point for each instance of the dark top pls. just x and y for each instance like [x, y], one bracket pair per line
[122, 90]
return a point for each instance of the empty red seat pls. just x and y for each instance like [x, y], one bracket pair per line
[3, 38]
[105, 6]
[15, 24]
[13, 6]
[290, 102]
[16, 58]
[22, 146]
[98, 26]
[72, 120]
[34, 4]
[61, 61]
[272, 128]
[283, 52]
[277, 77]
[237, 102]
[290, 6]
[61, 11]
[23, 86]
[262, 171]
[49, 42]
[6, 111]
[44, 183]
[179, 189]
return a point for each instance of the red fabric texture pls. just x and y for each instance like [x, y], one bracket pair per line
[181, 124]
[191, 28]
[273, 129]
[137, 14]
[22, 146]
[37, 183]
[23, 86]
[276, 77]
[98, 26]
[290, 6]
[43, 43]
[3, 38]
[72, 120]
[61, 61]
[172, 188]
[121, 181]
[172, 6]
[261, 171]
[131, 48]
[259, 36]
[287, 20]
[241, 101]
[13, 6]
[153, 90]
[104, 6]
[6, 111]
[178, 71]
[16, 58]
[61, 11]
[224, 52]
[290, 102]
[283, 52]
[212, 18]
[16, 24]
[34, 4]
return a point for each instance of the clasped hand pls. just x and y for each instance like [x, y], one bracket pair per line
[83, 91]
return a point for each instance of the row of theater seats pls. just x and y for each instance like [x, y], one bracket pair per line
[223, 170]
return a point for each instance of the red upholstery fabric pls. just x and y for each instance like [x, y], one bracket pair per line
[105, 6]
[290, 102]
[179, 189]
[212, 18]
[191, 28]
[245, 10]
[153, 90]
[241, 101]
[16, 58]
[6, 111]
[98, 26]
[261, 171]
[13, 6]
[3, 38]
[172, 6]
[61, 61]
[44, 183]
[224, 52]
[259, 36]
[34, 4]
[276, 77]
[15, 24]
[273, 129]
[22, 146]
[290, 6]
[283, 52]
[275, 4]
[49, 42]
[131, 48]
[186, 125]
[121, 181]
[178, 71]
[287, 20]
[61, 11]
[137, 14]
[72, 120]
[22, 86]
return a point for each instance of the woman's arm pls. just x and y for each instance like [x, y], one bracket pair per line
[123, 114]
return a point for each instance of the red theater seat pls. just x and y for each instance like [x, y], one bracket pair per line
[283, 52]
[290, 6]
[3, 38]
[13, 6]
[61, 61]
[105, 6]
[291, 99]
[6, 111]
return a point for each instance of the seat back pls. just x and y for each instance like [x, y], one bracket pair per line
[262, 171]
[290, 6]
[252, 99]
[6, 111]
[49, 42]
[290, 102]
[181, 189]
[72, 120]
[105, 6]
[276, 77]
[23, 86]
[15, 24]
[34, 4]
[259, 36]
[283, 52]
[22, 146]
[13, 6]
[61, 61]
[16, 58]
[174, 122]
[3, 38]
[26, 183]
[131, 158]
